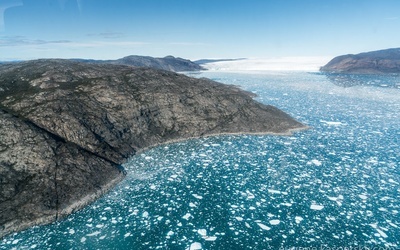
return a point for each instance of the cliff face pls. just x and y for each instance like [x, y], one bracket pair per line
[65, 128]
[375, 62]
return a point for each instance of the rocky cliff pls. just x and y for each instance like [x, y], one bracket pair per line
[66, 127]
[375, 62]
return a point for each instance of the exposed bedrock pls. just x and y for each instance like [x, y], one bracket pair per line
[66, 127]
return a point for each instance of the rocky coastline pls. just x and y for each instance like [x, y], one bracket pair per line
[66, 127]
[375, 62]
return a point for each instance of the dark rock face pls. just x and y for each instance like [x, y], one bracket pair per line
[65, 128]
[375, 62]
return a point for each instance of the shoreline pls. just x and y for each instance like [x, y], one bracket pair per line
[63, 213]
[287, 133]
[90, 198]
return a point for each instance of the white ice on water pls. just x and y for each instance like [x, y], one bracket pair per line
[335, 183]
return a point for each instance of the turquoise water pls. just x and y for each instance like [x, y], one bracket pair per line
[335, 185]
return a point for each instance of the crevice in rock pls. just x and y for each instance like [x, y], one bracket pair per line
[56, 190]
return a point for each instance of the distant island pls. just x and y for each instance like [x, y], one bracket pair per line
[376, 62]
[66, 127]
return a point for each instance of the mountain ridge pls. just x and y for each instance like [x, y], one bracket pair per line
[385, 61]
[170, 63]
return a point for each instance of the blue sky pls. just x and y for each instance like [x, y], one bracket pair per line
[194, 29]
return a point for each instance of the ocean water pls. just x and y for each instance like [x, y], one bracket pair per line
[336, 185]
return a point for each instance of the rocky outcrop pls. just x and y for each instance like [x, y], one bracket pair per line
[170, 63]
[66, 127]
[375, 62]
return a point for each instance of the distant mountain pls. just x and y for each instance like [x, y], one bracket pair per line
[376, 62]
[169, 63]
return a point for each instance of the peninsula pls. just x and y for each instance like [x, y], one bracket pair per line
[376, 62]
[66, 127]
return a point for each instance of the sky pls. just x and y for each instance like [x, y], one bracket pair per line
[195, 29]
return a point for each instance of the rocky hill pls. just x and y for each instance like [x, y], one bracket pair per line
[375, 62]
[66, 127]
[169, 63]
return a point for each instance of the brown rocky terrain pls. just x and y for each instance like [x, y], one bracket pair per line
[375, 62]
[66, 127]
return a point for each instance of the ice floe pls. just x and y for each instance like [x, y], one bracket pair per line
[316, 207]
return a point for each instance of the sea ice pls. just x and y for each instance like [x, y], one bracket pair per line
[316, 207]
[273, 191]
[383, 234]
[332, 123]
[210, 238]
[195, 246]
[93, 234]
[265, 227]
[250, 195]
[202, 232]
[274, 222]
[298, 219]
[316, 162]
[187, 216]
[197, 196]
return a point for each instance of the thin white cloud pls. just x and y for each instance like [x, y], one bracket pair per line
[5, 4]
[12, 41]
[96, 44]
